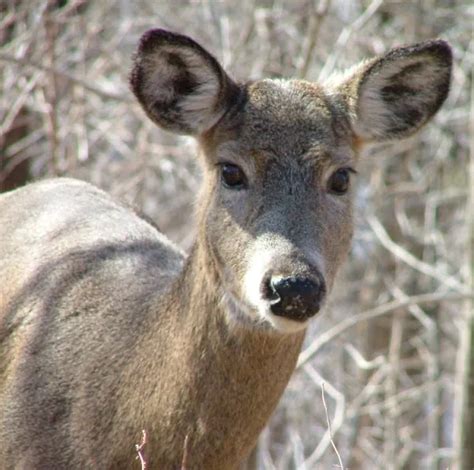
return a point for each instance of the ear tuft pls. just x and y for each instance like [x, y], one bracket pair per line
[179, 84]
[395, 95]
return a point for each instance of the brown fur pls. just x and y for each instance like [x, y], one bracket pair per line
[106, 329]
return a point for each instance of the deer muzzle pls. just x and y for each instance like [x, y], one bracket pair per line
[297, 298]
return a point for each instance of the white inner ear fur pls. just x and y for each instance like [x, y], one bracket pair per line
[199, 107]
[374, 115]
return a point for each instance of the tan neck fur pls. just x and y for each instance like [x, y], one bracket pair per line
[222, 381]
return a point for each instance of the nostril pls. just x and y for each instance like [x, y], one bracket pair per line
[268, 290]
[295, 297]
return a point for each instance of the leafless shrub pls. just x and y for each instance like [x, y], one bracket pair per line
[389, 363]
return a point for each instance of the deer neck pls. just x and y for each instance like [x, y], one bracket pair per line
[209, 325]
[227, 378]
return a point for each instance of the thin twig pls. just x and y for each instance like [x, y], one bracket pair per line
[31, 63]
[139, 448]
[184, 462]
[383, 309]
[345, 35]
[315, 22]
[337, 420]
[51, 92]
[412, 260]
[328, 421]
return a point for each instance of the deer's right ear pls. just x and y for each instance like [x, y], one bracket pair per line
[393, 96]
[179, 84]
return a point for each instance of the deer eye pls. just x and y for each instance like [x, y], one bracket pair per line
[339, 181]
[232, 176]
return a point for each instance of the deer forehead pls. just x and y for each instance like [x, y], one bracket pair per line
[290, 122]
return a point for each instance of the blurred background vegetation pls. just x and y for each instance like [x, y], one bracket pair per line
[394, 350]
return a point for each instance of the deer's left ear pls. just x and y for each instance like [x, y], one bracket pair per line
[392, 96]
[179, 84]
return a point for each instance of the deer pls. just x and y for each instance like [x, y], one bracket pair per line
[107, 328]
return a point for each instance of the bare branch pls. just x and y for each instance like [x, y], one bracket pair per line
[384, 309]
[328, 421]
[184, 462]
[139, 448]
[77, 81]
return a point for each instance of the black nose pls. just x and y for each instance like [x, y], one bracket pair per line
[296, 298]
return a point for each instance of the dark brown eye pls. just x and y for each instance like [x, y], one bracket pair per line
[232, 176]
[339, 181]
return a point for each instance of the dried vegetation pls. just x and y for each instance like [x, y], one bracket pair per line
[393, 352]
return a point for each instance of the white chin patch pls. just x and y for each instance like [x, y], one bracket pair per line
[266, 251]
[260, 307]
[259, 317]
[285, 325]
